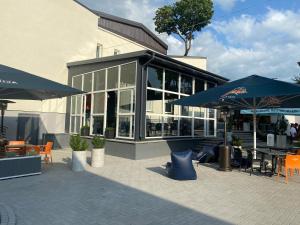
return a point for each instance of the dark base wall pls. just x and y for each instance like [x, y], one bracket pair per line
[147, 149]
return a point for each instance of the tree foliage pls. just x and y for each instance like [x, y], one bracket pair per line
[184, 18]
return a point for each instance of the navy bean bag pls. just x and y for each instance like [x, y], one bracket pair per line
[181, 167]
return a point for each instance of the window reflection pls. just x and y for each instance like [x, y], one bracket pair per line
[98, 103]
[155, 77]
[128, 72]
[77, 82]
[199, 112]
[112, 77]
[186, 85]
[155, 100]
[199, 85]
[171, 81]
[124, 126]
[126, 101]
[99, 80]
[170, 108]
[185, 126]
[153, 126]
[199, 127]
[170, 126]
[87, 84]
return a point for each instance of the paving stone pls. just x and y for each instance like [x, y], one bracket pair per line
[128, 192]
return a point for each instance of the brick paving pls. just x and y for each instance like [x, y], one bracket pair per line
[137, 193]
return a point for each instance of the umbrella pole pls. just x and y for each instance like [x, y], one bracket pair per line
[254, 128]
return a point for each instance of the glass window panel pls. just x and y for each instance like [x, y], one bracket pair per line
[155, 100]
[78, 105]
[211, 113]
[186, 85]
[199, 85]
[77, 121]
[211, 127]
[73, 99]
[99, 80]
[128, 73]
[98, 103]
[87, 109]
[127, 101]
[155, 77]
[72, 124]
[112, 78]
[171, 81]
[77, 82]
[199, 112]
[185, 127]
[170, 126]
[125, 125]
[186, 111]
[169, 108]
[199, 127]
[210, 85]
[153, 126]
[98, 125]
[87, 84]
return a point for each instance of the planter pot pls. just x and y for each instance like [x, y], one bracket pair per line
[97, 157]
[110, 134]
[78, 160]
[281, 141]
[85, 131]
[246, 126]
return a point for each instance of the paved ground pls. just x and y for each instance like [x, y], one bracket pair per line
[137, 192]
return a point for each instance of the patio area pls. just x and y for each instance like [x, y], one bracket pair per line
[137, 192]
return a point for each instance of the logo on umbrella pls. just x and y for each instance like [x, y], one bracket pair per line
[234, 92]
[8, 82]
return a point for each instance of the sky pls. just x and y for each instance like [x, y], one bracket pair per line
[245, 37]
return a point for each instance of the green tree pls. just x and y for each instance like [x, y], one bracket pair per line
[184, 18]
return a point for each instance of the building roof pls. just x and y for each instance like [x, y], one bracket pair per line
[129, 29]
[161, 59]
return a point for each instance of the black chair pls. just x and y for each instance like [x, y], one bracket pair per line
[181, 167]
[253, 163]
[208, 154]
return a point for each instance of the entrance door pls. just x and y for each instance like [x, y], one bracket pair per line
[111, 111]
[28, 128]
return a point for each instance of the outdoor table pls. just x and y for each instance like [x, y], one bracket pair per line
[275, 154]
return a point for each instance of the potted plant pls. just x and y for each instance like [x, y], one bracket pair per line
[281, 127]
[237, 142]
[110, 133]
[85, 130]
[98, 151]
[79, 147]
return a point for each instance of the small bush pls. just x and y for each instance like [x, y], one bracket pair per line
[78, 144]
[98, 142]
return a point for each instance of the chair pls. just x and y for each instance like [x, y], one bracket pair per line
[47, 151]
[292, 163]
[252, 163]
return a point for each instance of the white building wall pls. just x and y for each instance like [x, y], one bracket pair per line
[41, 36]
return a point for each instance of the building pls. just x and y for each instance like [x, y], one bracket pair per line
[69, 43]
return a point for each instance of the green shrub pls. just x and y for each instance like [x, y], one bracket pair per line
[98, 142]
[78, 144]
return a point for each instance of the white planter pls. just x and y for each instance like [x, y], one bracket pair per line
[281, 141]
[246, 126]
[78, 160]
[97, 157]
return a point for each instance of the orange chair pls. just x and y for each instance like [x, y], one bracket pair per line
[47, 151]
[292, 163]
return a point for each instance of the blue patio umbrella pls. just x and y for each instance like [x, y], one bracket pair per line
[252, 92]
[18, 84]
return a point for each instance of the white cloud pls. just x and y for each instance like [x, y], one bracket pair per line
[226, 5]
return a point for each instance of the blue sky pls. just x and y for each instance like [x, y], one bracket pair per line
[245, 37]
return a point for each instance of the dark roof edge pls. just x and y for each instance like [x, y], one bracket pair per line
[131, 23]
[122, 20]
[147, 53]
